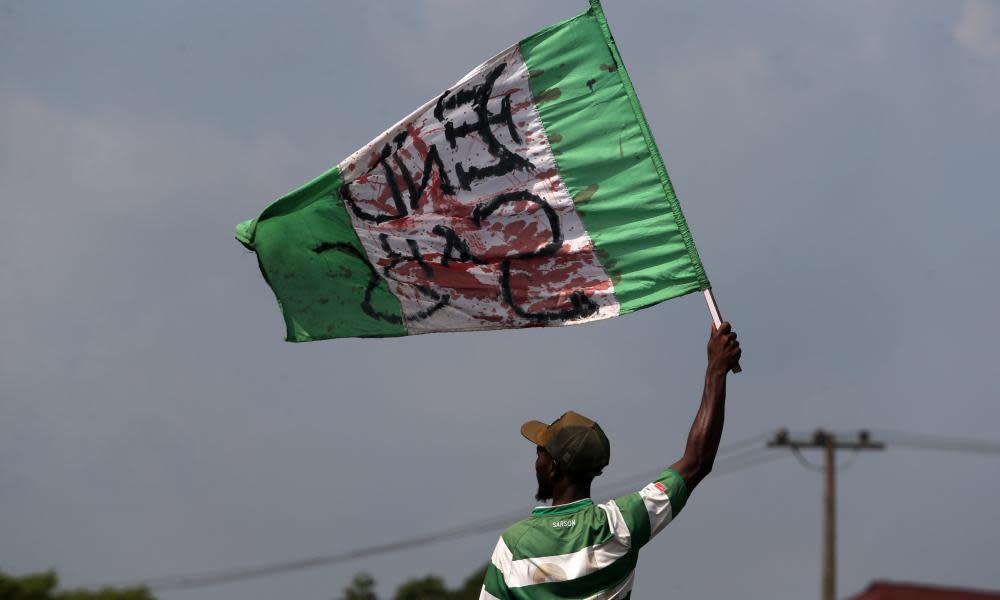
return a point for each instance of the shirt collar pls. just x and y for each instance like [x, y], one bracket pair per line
[562, 509]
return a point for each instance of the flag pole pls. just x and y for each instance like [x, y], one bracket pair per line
[713, 307]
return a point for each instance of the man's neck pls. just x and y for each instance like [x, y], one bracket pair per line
[569, 493]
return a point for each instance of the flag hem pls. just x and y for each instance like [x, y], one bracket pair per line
[654, 151]
[322, 189]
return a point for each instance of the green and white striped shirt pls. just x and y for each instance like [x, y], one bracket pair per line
[582, 550]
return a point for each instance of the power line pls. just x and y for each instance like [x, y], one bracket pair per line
[829, 443]
[735, 463]
[926, 441]
[732, 458]
[729, 464]
[208, 578]
[726, 452]
[762, 458]
[741, 444]
[805, 461]
[851, 459]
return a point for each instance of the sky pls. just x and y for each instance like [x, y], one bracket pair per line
[836, 164]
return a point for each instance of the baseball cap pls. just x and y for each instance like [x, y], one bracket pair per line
[573, 440]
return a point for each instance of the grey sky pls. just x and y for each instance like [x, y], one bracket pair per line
[835, 161]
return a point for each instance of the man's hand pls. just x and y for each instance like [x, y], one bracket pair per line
[706, 431]
[723, 349]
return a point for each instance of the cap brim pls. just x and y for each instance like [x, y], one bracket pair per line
[534, 432]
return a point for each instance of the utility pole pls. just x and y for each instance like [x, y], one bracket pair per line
[828, 442]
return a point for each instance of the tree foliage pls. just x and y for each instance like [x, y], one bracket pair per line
[472, 586]
[42, 586]
[430, 587]
[362, 587]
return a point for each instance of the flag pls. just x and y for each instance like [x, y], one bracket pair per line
[530, 193]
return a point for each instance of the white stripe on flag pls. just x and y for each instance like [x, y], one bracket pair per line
[405, 237]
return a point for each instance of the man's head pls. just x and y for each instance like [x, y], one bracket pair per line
[572, 448]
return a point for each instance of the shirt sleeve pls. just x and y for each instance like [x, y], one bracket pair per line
[652, 508]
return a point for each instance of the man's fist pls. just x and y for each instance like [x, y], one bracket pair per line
[723, 349]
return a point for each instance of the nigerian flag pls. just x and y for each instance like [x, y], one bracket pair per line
[530, 193]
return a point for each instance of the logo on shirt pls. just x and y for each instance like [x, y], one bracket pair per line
[564, 523]
[661, 487]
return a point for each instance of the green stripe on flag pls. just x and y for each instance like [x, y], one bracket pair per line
[609, 162]
[311, 257]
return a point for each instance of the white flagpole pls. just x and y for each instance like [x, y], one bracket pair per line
[713, 307]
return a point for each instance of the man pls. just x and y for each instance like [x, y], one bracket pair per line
[578, 549]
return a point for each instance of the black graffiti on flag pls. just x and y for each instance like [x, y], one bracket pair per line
[478, 97]
[454, 248]
[414, 190]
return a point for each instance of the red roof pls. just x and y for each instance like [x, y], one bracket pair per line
[886, 590]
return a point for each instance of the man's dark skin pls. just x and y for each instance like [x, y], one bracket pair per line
[724, 353]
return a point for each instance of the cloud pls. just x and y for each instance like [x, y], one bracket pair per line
[125, 161]
[107, 212]
[85, 179]
[701, 80]
[978, 29]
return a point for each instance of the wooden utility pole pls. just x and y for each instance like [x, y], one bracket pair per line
[829, 520]
[829, 443]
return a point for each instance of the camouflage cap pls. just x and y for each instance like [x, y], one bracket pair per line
[574, 441]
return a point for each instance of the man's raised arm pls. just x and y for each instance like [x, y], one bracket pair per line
[703, 441]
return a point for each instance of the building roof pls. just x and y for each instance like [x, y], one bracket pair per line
[888, 590]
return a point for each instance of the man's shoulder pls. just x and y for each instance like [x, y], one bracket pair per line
[515, 532]
[537, 534]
